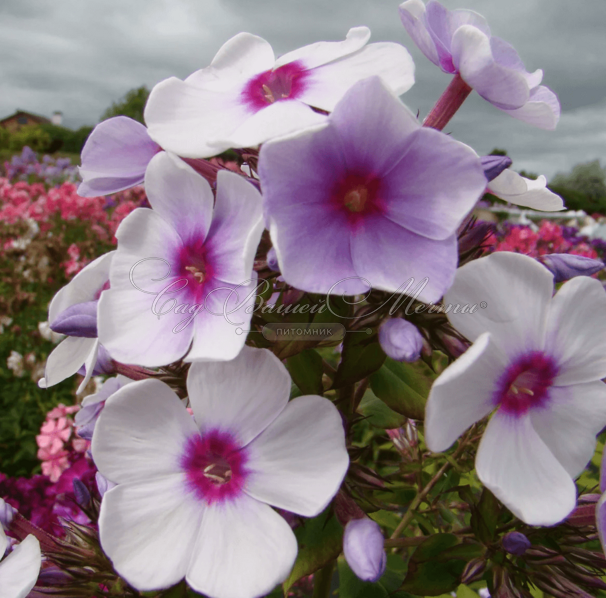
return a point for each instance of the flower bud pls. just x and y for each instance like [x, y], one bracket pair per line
[494, 166]
[77, 320]
[401, 340]
[81, 492]
[272, 260]
[7, 512]
[564, 266]
[363, 549]
[473, 570]
[516, 543]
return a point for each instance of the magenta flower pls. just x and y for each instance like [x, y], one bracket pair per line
[194, 495]
[368, 199]
[537, 361]
[182, 276]
[246, 96]
[115, 157]
[460, 42]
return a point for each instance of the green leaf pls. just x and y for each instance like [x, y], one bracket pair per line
[435, 566]
[394, 385]
[359, 361]
[465, 592]
[320, 541]
[378, 414]
[352, 587]
[306, 371]
[485, 516]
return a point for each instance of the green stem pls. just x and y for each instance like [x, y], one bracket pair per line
[323, 580]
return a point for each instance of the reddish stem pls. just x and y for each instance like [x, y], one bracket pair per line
[134, 372]
[448, 103]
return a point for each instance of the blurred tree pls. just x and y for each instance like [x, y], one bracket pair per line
[498, 152]
[131, 105]
[32, 136]
[588, 179]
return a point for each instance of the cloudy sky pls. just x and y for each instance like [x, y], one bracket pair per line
[78, 56]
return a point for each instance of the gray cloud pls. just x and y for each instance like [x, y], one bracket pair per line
[78, 57]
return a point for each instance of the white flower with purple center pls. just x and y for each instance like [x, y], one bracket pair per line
[182, 278]
[73, 312]
[460, 43]
[19, 570]
[537, 361]
[115, 157]
[368, 199]
[246, 96]
[195, 495]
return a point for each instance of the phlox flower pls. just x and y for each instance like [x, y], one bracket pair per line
[369, 198]
[19, 570]
[194, 494]
[516, 189]
[537, 362]
[460, 42]
[246, 96]
[73, 312]
[182, 277]
[115, 157]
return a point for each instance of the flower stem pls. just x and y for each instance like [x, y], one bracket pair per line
[322, 581]
[448, 103]
[134, 372]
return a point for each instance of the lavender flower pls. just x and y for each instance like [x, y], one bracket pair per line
[565, 266]
[363, 549]
[401, 340]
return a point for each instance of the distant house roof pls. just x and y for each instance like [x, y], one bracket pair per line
[33, 117]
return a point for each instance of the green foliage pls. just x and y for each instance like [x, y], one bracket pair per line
[131, 105]
[5, 137]
[65, 140]
[32, 136]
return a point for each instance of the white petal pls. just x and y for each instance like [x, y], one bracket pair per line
[242, 396]
[236, 228]
[516, 465]
[512, 292]
[569, 422]
[576, 331]
[187, 120]
[3, 542]
[542, 109]
[244, 549]
[141, 432]
[512, 187]
[463, 394]
[179, 195]
[148, 530]
[321, 53]
[89, 366]
[83, 287]
[221, 327]
[19, 570]
[299, 461]
[279, 118]
[239, 58]
[472, 55]
[412, 14]
[67, 358]
[327, 84]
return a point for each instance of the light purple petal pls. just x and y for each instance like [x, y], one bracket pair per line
[236, 228]
[244, 548]
[516, 465]
[180, 196]
[412, 15]
[472, 55]
[542, 109]
[463, 394]
[257, 385]
[315, 55]
[577, 331]
[569, 422]
[388, 255]
[148, 529]
[141, 433]
[299, 461]
[77, 320]
[327, 84]
[115, 157]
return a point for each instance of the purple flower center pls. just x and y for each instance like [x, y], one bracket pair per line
[526, 382]
[214, 466]
[357, 196]
[285, 82]
[193, 266]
